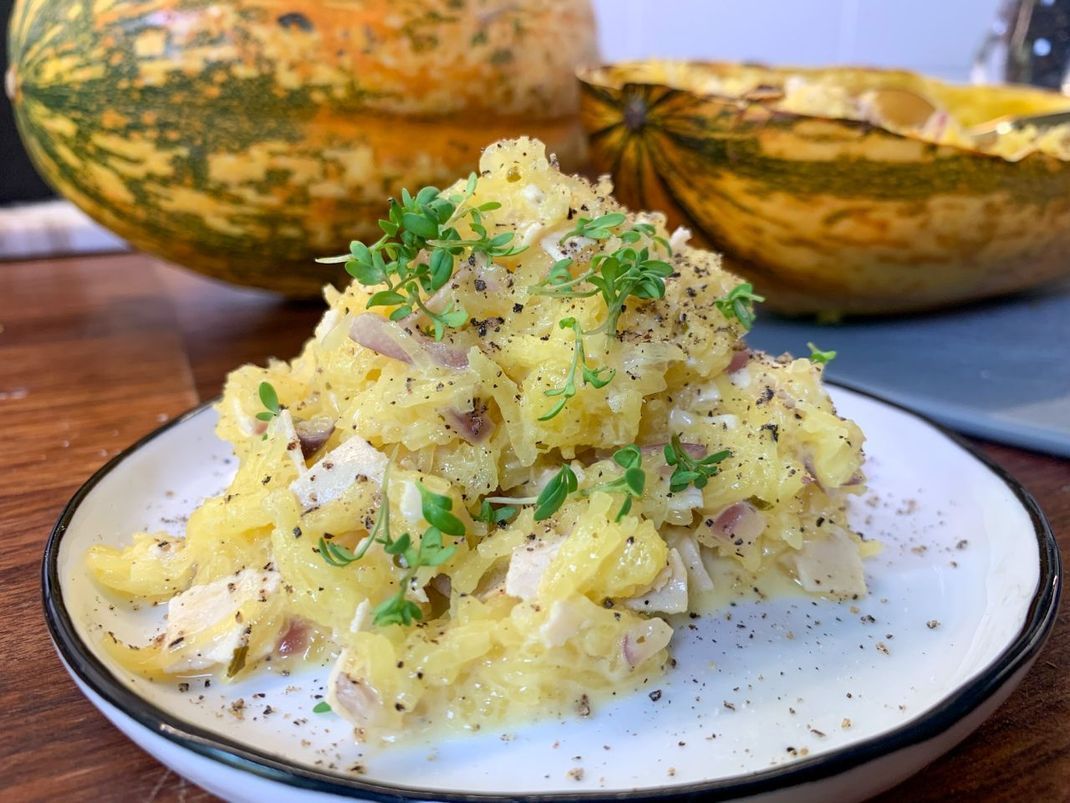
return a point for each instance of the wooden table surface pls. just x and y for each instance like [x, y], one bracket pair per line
[96, 352]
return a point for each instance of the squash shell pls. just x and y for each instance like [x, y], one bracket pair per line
[245, 139]
[828, 215]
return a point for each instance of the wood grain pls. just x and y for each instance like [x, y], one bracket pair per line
[96, 352]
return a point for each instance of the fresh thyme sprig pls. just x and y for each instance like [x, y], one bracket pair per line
[599, 377]
[631, 483]
[820, 357]
[688, 470]
[604, 226]
[599, 228]
[490, 515]
[625, 273]
[399, 609]
[436, 508]
[739, 303]
[270, 399]
[616, 276]
[645, 230]
[429, 551]
[560, 283]
[338, 555]
[553, 494]
[418, 223]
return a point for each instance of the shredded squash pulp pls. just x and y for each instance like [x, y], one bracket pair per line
[524, 618]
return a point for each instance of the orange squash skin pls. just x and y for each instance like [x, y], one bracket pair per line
[245, 139]
[834, 216]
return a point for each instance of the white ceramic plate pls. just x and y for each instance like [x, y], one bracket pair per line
[781, 699]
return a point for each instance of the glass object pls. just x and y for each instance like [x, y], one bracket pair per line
[1028, 43]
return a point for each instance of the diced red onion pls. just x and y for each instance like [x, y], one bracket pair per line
[442, 584]
[857, 479]
[740, 521]
[443, 353]
[376, 333]
[295, 639]
[474, 425]
[811, 472]
[739, 359]
[489, 280]
[388, 339]
[643, 640]
[313, 433]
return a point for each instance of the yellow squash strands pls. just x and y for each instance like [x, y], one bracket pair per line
[523, 616]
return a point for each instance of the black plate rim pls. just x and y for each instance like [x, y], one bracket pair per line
[90, 671]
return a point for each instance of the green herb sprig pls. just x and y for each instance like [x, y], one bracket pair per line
[625, 273]
[820, 357]
[429, 551]
[617, 276]
[599, 228]
[604, 226]
[270, 399]
[338, 555]
[553, 494]
[639, 230]
[560, 283]
[599, 377]
[490, 515]
[688, 470]
[415, 224]
[631, 483]
[739, 303]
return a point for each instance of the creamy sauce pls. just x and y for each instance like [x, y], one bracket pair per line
[733, 583]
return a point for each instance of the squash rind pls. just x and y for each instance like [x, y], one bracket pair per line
[828, 215]
[246, 139]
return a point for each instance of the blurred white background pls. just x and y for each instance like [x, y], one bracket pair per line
[939, 37]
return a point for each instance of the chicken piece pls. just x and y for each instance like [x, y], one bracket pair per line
[527, 565]
[682, 506]
[351, 696]
[668, 593]
[336, 472]
[208, 624]
[829, 565]
[565, 620]
[697, 577]
[285, 429]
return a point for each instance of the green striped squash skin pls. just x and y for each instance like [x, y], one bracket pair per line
[244, 139]
[831, 216]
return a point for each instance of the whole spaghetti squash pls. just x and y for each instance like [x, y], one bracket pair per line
[514, 447]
